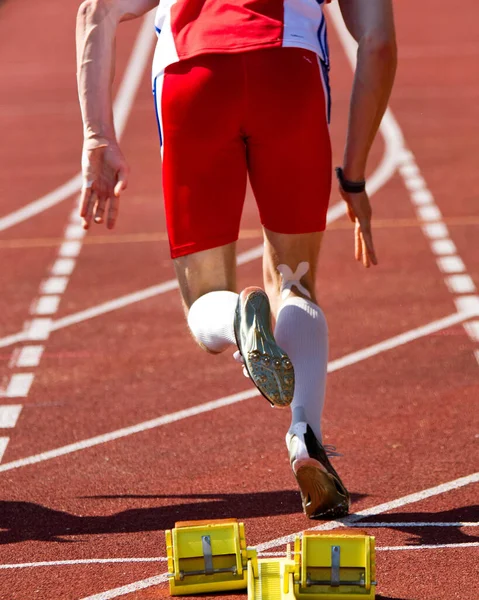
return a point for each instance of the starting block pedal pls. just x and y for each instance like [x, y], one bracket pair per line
[335, 566]
[208, 556]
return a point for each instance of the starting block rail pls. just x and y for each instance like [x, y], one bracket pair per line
[212, 556]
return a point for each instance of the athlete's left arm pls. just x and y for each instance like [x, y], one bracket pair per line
[105, 170]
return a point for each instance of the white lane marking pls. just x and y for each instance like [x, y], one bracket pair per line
[399, 340]
[122, 107]
[468, 304]
[9, 414]
[428, 546]
[36, 329]
[420, 197]
[29, 356]
[19, 385]
[460, 284]
[378, 509]
[127, 431]
[70, 249]
[399, 524]
[128, 589]
[451, 264]
[75, 231]
[435, 231]
[63, 266]
[234, 398]
[3, 446]
[472, 329]
[46, 305]
[54, 285]
[83, 561]
[443, 247]
[429, 213]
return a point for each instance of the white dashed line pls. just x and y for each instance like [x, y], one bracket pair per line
[435, 231]
[54, 285]
[472, 329]
[451, 264]
[9, 414]
[19, 385]
[29, 356]
[460, 284]
[38, 329]
[63, 266]
[70, 249]
[469, 304]
[75, 231]
[3, 446]
[443, 247]
[46, 305]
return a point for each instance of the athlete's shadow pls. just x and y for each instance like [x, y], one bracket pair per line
[29, 521]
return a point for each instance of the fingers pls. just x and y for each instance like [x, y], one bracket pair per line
[113, 212]
[100, 210]
[122, 182]
[87, 202]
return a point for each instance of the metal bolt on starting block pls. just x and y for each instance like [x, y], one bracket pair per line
[208, 556]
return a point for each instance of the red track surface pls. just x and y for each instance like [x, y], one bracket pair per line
[403, 419]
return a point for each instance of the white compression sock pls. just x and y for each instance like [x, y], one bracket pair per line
[211, 320]
[302, 331]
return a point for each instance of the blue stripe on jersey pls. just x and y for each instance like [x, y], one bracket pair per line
[156, 111]
[325, 71]
[323, 40]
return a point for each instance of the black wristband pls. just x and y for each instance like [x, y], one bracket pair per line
[350, 187]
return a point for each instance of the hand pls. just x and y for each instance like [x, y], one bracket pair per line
[359, 211]
[105, 176]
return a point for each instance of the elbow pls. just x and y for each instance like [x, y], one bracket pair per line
[90, 10]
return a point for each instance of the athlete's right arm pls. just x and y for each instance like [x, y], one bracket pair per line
[104, 168]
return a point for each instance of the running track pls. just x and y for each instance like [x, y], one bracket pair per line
[113, 425]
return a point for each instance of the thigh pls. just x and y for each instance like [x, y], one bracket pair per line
[290, 265]
[204, 157]
[289, 150]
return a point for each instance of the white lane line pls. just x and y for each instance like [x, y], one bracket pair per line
[428, 546]
[399, 340]
[460, 284]
[378, 509]
[429, 213]
[75, 231]
[128, 589]
[54, 285]
[233, 399]
[63, 266]
[70, 249]
[19, 385]
[443, 247]
[83, 561]
[399, 524]
[127, 431]
[122, 107]
[46, 305]
[9, 414]
[472, 329]
[3, 445]
[469, 304]
[36, 329]
[435, 231]
[451, 264]
[29, 356]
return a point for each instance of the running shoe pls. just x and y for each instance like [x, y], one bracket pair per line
[322, 492]
[268, 366]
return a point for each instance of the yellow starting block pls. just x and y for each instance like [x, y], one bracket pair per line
[211, 556]
[337, 566]
[208, 556]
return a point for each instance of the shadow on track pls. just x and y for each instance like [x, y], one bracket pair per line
[29, 521]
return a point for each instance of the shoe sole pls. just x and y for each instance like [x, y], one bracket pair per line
[268, 366]
[320, 497]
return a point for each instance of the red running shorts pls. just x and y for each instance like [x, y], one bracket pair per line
[223, 117]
